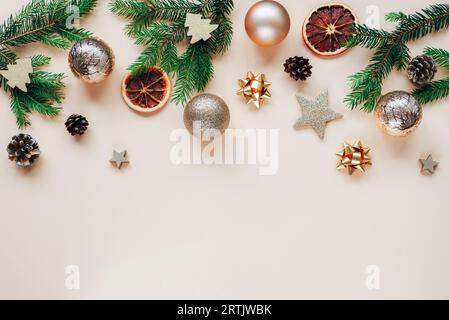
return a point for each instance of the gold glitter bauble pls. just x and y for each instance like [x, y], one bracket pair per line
[205, 115]
[267, 23]
[398, 113]
[91, 60]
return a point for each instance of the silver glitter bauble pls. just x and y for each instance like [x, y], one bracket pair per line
[398, 113]
[91, 60]
[205, 115]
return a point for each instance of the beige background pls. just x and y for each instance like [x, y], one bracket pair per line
[154, 230]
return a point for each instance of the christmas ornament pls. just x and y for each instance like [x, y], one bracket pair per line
[45, 22]
[254, 89]
[18, 74]
[147, 92]
[421, 70]
[316, 113]
[267, 23]
[206, 114]
[398, 113]
[392, 52]
[199, 28]
[91, 60]
[428, 165]
[437, 89]
[160, 26]
[327, 28]
[76, 124]
[354, 157]
[119, 159]
[23, 150]
[298, 68]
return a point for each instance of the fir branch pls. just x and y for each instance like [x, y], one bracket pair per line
[395, 16]
[194, 70]
[368, 37]
[440, 56]
[436, 90]
[39, 21]
[159, 25]
[391, 50]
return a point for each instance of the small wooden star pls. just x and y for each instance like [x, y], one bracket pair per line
[316, 113]
[199, 28]
[18, 75]
[428, 165]
[119, 159]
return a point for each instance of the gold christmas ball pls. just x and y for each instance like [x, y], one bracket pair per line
[398, 113]
[205, 115]
[267, 23]
[91, 60]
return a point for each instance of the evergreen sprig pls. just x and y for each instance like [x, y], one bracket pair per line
[42, 21]
[159, 25]
[391, 50]
[439, 89]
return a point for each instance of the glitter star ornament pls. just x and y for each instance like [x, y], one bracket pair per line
[199, 28]
[316, 113]
[354, 157]
[18, 75]
[119, 159]
[254, 89]
[428, 165]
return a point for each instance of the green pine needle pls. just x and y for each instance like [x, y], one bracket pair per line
[434, 91]
[439, 55]
[392, 52]
[39, 21]
[159, 25]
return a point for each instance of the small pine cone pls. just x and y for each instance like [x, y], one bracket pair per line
[76, 124]
[23, 150]
[421, 70]
[298, 68]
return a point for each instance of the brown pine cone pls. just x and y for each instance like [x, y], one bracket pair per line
[299, 68]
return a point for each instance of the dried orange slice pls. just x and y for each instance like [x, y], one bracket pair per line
[147, 92]
[327, 28]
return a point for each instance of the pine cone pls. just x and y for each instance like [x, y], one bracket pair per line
[76, 124]
[24, 150]
[421, 70]
[298, 68]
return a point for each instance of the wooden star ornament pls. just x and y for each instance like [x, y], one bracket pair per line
[199, 28]
[428, 165]
[119, 159]
[254, 88]
[18, 74]
[354, 157]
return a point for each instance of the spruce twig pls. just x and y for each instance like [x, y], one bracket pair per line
[39, 21]
[391, 50]
[159, 25]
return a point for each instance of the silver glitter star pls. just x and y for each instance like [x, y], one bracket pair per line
[428, 165]
[316, 113]
[119, 159]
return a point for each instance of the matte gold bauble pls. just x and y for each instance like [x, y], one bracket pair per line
[267, 23]
[398, 113]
